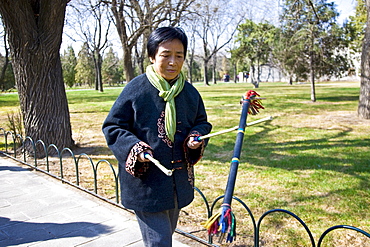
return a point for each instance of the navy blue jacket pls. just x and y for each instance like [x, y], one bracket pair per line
[138, 116]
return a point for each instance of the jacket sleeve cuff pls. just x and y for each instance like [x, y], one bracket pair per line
[192, 156]
[133, 166]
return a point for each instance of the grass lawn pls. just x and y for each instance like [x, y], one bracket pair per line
[312, 159]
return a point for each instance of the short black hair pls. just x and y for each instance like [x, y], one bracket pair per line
[164, 34]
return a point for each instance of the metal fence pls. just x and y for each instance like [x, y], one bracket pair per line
[17, 142]
[61, 156]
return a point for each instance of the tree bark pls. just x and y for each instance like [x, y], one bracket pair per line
[127, 63]
[205, 68]
[364, 100]
[98, 61]
[5, 66]
[214, 73]
[312, 70]
[190, 62]
[312, 78]
[235, 74]
[35, 34]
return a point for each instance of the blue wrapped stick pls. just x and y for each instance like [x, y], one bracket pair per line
[224, 223]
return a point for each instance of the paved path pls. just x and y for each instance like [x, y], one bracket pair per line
[37, 210]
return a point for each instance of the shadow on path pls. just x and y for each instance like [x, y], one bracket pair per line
[19, 232]
[13, 168]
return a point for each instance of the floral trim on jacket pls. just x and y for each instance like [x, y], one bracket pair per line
[134, 167]
[192, 156]
[162, 130]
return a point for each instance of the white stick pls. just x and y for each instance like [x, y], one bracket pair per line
[159, 165]
[260, 121]
[234, 128]
[218, 133]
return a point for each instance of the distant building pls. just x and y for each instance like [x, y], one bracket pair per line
[267, 74]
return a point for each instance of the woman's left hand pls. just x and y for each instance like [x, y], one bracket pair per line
[194, 144]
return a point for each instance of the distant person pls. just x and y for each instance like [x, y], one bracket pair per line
[158, 113]
[226, 77]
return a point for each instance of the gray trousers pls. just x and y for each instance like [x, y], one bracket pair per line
[157, 228]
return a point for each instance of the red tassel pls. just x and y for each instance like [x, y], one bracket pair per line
[255, 104]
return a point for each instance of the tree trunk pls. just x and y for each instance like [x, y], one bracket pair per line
[127, 64]
[254, 81]
[5, 66]
[35, 43]
[98, 61]
[117, 10]
[364, 100]
[258, 72]
[190, 69]
[235, 74]
[214, 73]
[312, 78]
[139, 60]
[205, 68]
[312, 72]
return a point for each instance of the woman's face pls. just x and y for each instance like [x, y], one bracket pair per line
[169, 59]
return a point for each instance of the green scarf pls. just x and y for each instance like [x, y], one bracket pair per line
[168, 93]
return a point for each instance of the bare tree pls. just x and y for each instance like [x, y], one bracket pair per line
[136, 19]
[34, 31]
[216, 27]
[93, 24]
[364, 101]
[190, 55]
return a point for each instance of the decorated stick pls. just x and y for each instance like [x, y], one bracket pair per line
[199, 138]
[224, 223]
[226, 215]
[158, 164]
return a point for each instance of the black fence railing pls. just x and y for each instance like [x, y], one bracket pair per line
[59, 156]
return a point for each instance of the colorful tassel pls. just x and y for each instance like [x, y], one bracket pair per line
[222, 224]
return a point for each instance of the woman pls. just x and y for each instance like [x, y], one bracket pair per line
[158, 113]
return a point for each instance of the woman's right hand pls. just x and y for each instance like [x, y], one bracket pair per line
[141, 156]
